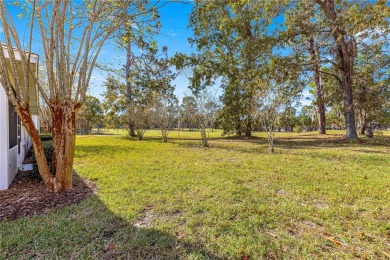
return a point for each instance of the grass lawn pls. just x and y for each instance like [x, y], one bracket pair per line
[317, 197]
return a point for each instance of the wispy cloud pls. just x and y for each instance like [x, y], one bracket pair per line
[172, 34]
[1, 29]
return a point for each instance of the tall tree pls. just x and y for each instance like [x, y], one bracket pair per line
[115, 102]
[137, 34]
[233, 41]
[334, 33]
[188, 111]
[69, 64]
[305, 36]
[345, 20]
[91, 113]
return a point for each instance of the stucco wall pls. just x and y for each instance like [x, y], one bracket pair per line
[12, 164]
[3, 140]
[10, 160]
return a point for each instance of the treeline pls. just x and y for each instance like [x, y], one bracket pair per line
[264, 54]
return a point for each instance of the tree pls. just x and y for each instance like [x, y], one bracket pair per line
[138, 34]
[68, 64]
[135, 34]
[165, 107]
[45, 117]
[212, 107]
[341, 29]
[279, 84]
[203, 100]
[307, 117]
[142, 118]
[371, 91]
[287, 118]
[115, 102]
[89, 114]
[305, 36]
[233, 41]
[187, 112]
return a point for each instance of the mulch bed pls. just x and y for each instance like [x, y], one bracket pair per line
[29, 197]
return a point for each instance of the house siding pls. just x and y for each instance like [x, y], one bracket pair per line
[13, 163]
[3, 140]
[10, 158]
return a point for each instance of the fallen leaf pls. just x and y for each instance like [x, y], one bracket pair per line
[334, 241]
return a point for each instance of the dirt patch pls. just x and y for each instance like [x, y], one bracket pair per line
[281, 192]
[29, 197]
[146, 218]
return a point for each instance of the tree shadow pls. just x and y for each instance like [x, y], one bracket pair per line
[91, 230]
[258, 144]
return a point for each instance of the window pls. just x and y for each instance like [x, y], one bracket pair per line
[13, 125]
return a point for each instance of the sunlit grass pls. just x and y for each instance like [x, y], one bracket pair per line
[316, 197]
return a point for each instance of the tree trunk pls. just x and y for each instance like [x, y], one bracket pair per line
[271, 143]
[346, 80]
[89, 131]
[314, 55]
[129, 90]
[204, 137]
[43, 120]
[248, 130]
[164, 134]
[238, 128]
[362, 121]
[43, 167]
[362, 106]
[64, 141]
[345, 47]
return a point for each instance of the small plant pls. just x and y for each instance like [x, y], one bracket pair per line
[298, 129]
[46, 137]
[48, 150]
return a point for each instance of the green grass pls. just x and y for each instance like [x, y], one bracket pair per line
[317, 197]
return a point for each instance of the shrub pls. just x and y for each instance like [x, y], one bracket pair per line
[48, 150]
[46, 137]
[298, 129]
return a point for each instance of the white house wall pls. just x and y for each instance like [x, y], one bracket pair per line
[3, 140]
[13, 163]
[10, 160]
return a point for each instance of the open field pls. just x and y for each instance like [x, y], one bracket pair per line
[316, 197]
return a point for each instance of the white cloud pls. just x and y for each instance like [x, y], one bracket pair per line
[1, 29]
[172, 34]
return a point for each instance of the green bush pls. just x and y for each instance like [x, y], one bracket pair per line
[48, 150]
[298, 129]
[46, 137]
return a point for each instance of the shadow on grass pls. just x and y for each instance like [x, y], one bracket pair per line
[91, 230]
[258, 144]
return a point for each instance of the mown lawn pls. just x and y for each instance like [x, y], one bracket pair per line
[317, 197]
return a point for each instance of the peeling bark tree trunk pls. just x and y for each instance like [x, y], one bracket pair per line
[58, 24]
[43, 168]
[320, 106]
[64, 139]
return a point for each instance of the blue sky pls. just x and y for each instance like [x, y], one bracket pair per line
[174, 34]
